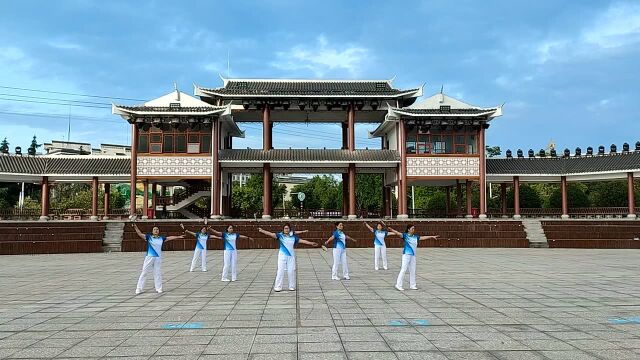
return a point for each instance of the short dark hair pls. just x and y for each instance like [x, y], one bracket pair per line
[380, 223]
[338, 223]
[409, 227]
[286, 224]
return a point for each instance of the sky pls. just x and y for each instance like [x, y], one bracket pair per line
[566, 72]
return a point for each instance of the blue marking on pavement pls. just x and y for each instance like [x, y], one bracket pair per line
[171, 326]
[418, 322]
[398, 323]
[622, 321]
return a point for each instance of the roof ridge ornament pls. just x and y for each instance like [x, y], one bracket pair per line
[225, 81]
[441, 95]
[175, 87]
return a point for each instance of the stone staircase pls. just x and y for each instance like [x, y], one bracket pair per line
[113, 234]
[535, 233]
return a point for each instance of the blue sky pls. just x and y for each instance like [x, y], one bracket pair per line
[568, 71]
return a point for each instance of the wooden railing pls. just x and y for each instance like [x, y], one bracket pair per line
[60, 214]
[585, 212]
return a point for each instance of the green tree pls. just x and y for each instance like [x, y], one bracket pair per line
[9, 194]
[321, 192]
[529, 197]
[493, 151]
[437, 201]
[544, 191]
[608, 193]
[33, 147]
[248, 197]
[30, 203]
[369, 191]
[576, 196]
[4, 146]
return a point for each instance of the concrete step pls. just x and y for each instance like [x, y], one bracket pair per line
[535, 233]
[112, 239]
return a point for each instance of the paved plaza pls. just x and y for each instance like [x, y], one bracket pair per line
[471, 304]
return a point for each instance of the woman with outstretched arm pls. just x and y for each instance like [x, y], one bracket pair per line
[230, 261]
[200, 252]
[286, 255]
[339, 251]
[409, 255]
[380, 247]
[153, 259]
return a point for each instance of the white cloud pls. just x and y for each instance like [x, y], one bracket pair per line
[323, 58]
[63, 44]
[616, 29]
[618, 26]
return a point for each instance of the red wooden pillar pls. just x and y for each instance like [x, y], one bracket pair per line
[145, 199]
[266, 194]
[215, 170]
[134, 168]
[351, 119]
[345, 194]
[458, 197]
[345, 176]
[352, 191]
[631, 196]
[503, 198]
[402, 190]
[266, 168]
[44, 199]
[468, 188]
[266, 128]
[386, 193]
[563, 191]
[516, 197]
[94, 198]
[483, 183]
[107, 194]
[448, 201]
[154, 190]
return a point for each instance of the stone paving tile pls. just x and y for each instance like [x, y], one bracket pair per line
[472, 304]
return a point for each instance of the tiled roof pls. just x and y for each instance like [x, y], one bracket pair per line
[12, 164]
[443, 111]
[309, 155]
[200, 109]
[326, 88]
[80, 165]
[564, 166]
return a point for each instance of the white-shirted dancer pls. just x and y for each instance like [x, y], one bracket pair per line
[409, 255]
[200, 252]
[286, 255]
[380, 247]
[153, 259]
[230, 251]
[339, 239]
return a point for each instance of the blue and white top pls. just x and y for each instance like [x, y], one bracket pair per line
[287, 243]
[154, 245]
[230, 240]
[339, 239]
[201, 240]
[410, 243]
[378, 237]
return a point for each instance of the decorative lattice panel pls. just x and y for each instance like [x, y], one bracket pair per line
[174, 166]
[443, 166]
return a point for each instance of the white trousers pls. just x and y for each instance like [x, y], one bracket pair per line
[197, 253]
[230, 261]
[288, 263]
[340, 256]
[408, 262]
[380, 251]
[156, 264]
